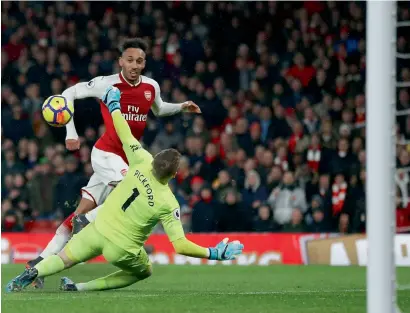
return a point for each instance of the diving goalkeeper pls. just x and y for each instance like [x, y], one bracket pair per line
[126, 220]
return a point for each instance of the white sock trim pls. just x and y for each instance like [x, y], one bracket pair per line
[80, 286]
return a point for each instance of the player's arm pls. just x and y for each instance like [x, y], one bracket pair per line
[93, 88]
[162, 108]
[173, 228]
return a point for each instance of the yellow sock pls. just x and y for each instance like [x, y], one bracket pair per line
[115, 280]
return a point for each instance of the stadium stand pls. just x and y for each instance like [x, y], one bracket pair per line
[280, 146]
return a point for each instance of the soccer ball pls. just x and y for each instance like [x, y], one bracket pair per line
[57, 111]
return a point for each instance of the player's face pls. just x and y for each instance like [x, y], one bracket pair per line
[132, 63]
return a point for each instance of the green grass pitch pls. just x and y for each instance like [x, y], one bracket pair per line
[208, 289]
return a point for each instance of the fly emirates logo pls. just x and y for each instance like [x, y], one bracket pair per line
[133, 114]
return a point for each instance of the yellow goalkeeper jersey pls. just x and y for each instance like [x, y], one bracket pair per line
[138, 203]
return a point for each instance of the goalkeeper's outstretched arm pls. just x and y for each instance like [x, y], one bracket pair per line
[223, 251]
[132, 147]
[188, 248]
[111, 99]
[122, 128]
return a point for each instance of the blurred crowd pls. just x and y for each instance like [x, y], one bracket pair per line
[280, 145]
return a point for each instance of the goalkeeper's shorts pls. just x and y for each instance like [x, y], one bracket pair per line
[89, 243]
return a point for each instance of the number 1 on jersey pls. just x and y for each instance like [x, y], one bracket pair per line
[135, 194]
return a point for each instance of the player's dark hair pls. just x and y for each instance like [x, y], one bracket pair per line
[166, 163]
[136, 43]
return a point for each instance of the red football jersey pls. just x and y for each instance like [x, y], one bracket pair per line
[136, 101]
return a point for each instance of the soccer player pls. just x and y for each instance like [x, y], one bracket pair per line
[139, 95]
[126, 219]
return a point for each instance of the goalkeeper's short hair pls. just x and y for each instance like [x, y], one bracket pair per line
[166, 163]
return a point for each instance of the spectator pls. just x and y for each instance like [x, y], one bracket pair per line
[296, 223]
[310, 121]
[329, 136]
[254, 192]
[285, 198]
[314, 153]
[41, 185]
[342, 160]
[11, 219]
[68, 187]
[203, 212]
[243, 137]
[9, 162]
[222, 185]
[272, 102]
[168, 138]
[32, 154]
[274, 178]
[355, 205]
[279, 128]
[211, 163]
[16, 124]
[233, 216]
[300, 71]
[318, 223]
[197, 183]
[264, 222]
[339, 190]
[198, 129]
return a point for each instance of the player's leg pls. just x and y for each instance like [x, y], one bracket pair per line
[92, 194]
[133, 269]
[56, 244]
[110, 169]
[82, 247]
[63, 232]
[82, 220]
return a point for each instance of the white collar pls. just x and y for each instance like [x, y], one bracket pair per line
[139, 80]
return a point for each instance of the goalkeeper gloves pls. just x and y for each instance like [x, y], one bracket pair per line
[111, 98]
[225, 251]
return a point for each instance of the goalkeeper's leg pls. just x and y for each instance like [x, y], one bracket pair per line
[82, 247]
[134, 268]
[63, 234]
[60, 239]
[115, 280]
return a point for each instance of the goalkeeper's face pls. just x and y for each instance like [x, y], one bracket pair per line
[132, 62]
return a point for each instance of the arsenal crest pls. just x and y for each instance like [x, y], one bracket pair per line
[147, 95]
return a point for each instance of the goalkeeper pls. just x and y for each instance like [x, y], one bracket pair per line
[126, 219]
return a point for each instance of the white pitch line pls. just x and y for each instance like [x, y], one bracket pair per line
[136, 295]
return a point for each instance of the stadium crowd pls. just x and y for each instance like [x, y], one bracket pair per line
[280, 145]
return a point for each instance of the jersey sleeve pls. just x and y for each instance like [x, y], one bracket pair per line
[135, 153]
[162, 108]
[171, 221]
[94, 88]
[132, 147]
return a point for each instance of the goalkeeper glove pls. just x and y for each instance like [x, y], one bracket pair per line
[111, 98]
[225, 251]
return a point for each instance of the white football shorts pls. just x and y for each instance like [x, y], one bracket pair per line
[109, 170]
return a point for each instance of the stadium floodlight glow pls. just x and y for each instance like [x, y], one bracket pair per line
[380, 155]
